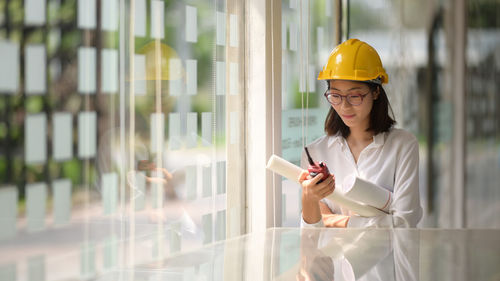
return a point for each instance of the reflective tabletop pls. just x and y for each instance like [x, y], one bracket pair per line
[333, 254]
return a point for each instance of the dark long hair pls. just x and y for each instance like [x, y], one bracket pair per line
[380, 120]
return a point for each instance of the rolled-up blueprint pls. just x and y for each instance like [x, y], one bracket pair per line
[292, 172]
[284, 168]
[367, 192]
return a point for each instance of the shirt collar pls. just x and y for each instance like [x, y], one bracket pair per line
[335, 138]
[378, 140]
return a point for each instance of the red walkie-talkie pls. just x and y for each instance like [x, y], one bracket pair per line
[317, 168]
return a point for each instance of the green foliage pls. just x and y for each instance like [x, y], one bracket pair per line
[70, 41]
[483, 14]
[16, 12]
[34, 104]
[301, 98]
[3, 168]
[67, 11]
[72, 170]
[3, 130]
[35, 173]
[202, 103]
[17, 169]
[362, 17]
[35, 37]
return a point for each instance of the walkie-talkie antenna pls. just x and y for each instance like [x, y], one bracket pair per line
[311, 162]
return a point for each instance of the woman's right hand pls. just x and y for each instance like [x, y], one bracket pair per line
[313, 191]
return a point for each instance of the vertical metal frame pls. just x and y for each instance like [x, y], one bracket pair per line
[235, 152]
[263, 115]
[338, 21]
[459, 13]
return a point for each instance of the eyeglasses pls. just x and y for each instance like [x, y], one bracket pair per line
[336, 99]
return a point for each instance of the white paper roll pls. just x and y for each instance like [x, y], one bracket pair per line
[284, 168]
[367, 192]
[292, 172]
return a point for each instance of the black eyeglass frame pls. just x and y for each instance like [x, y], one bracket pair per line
[347, 97]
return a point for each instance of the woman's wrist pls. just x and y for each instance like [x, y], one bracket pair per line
[310, 210]
[310, 199]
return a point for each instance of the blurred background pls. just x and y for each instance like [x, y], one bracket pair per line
[123, 124]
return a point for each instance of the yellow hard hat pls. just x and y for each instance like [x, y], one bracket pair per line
[164, 56]
[354, 60]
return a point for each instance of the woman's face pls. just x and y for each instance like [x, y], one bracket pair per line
[354, 116]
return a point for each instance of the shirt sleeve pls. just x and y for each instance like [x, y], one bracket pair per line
[405, 210]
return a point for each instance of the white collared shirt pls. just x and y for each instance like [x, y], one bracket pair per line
[390, 161]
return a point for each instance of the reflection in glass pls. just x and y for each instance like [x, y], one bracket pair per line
[191, 24]
[86, 14]
[87, 134]
[109, 66]
[9, 68]
[86, 70]
[157, 19]
[140, 18]
[35, 77]
[8, 211]
[36, 200]
[174, 131]
[34, 12]
[61, 192]
[191, 77]
[62, 136]
[109, 10]
[35, 132]
[233, 30]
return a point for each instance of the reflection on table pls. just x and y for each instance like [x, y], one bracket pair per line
[335, 254]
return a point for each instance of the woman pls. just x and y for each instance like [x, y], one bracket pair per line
[360, 141]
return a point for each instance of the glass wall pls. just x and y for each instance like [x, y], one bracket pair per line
[483, 114]
[116, 120]
[421, 52]
[400, 37]
[308, 32]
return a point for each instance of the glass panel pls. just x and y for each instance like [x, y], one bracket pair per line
[402, 44]
[233, 30]
[305, 51]
[8, 211]
[36, 268]
[61, 192]
[87, 134]
[86, 14]
[191, 24]
[109, 10]
[157, 19]
[109, 66]
[36, 197]
[62, 136]
[221, 29]
[86, 70]
[109, 190]
[233, 78]
[113, 134]
[482, 114]
[9, 69]
[191, 76]
[422, 54]
[34, 12]
[35, 69]
[140, 74]
[35, 143]
[8, 271]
